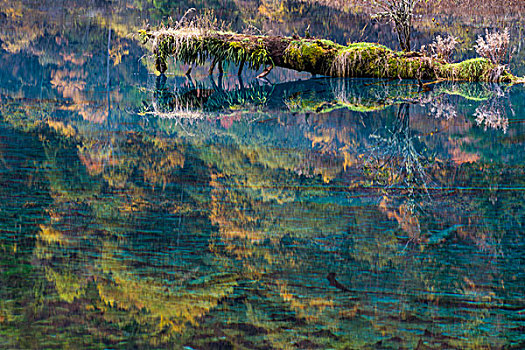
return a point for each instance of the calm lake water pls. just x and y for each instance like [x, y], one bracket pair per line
[148, 212]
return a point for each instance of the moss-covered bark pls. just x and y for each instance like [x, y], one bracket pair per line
[316, 56]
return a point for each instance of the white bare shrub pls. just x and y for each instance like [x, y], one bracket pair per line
[442, 47]
[495, 47]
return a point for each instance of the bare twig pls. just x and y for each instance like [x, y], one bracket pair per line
[399, 12]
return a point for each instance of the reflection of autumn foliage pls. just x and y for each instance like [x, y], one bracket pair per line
[405, 216]
[50, 235]
[262, 214]
[260, 234]
[253, 205]
[311, 309]
[96, 157]
[68, 285]
[25, 23]
[166, 308]
[240, 230]
[458, 155]
[161, 169]
[121, 161]
[69, 83]
[66, 49]
[162, 308]
[117, 51]
[336, 140]
[18, 30]
[75, 59]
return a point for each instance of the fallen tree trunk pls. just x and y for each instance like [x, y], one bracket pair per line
[323, 57]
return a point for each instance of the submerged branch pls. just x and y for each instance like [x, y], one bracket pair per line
[317, 56]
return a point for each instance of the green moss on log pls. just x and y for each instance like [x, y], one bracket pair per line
[310, 56]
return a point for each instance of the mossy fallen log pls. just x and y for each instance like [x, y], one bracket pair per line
[316, 56]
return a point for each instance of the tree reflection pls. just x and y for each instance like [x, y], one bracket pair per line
[395, 163]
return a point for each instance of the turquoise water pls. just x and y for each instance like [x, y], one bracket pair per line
[221, 213]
